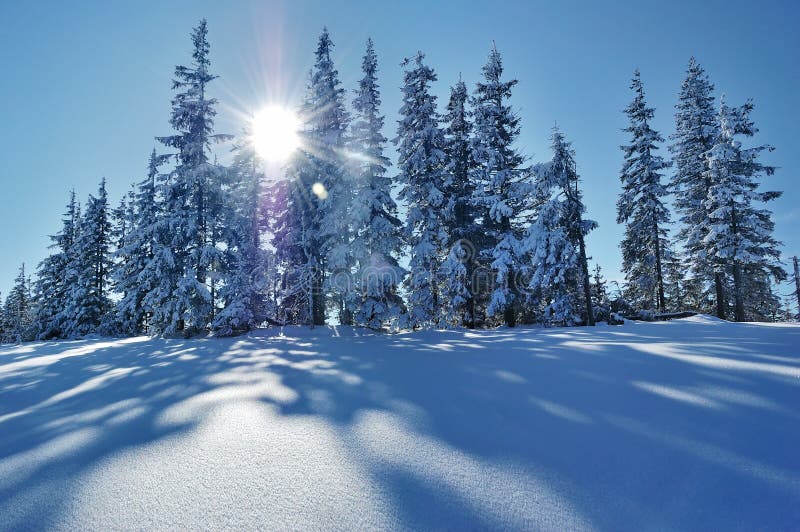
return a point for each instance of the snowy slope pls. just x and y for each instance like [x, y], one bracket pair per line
[691, 424]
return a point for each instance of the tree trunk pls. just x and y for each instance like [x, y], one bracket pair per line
[659, 276]
[318, 299]
[587, 290]
[737, 292]
[797, 284]
[720, 295]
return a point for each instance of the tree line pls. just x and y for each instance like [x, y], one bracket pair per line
[464, 232]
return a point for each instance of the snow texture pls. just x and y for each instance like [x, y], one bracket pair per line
[689, 424]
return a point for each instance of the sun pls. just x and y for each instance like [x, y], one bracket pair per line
[275, 133]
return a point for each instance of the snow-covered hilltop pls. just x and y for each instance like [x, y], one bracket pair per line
[689, 424]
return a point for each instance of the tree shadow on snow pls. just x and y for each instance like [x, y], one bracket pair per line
[676, 425]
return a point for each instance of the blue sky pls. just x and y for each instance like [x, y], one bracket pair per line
[86, 85]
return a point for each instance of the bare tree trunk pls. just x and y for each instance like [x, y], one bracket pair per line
[587, 290]
[738, 297]
[660, 305]
[797, 284]
[720, 291]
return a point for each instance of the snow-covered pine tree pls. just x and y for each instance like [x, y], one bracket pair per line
[739, 238]
[135, 276]
[423, 177]
[88, 301]
[599, 288]
[676, 291]
[458, 269]
[499, 180]
[376, 227]
[17, 319]
[641, 207]
[695, 133]
[327, 120]
[2, 320]
[288, 218]
[559, 272]
[51, 282]
[242, 280]
[193, 189]
[320, 196]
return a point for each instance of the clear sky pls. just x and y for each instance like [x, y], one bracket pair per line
[85, 86]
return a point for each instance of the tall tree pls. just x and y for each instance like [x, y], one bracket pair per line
[135, 277]
[89, 301]
[423, 177]
[52, 288]
[740, 231]
[459, 292]
[559, 271]
[193, 190]
[641, 206]
[242, 288]
[320, 194]
[695, 133]
[376, 227]
[498, 175]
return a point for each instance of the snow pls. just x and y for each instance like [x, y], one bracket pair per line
[688, 424]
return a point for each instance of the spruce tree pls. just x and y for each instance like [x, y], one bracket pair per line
[17, 319]
[88, 301]
[499, 179]
[321, 195]
[423, 177]
[52, 286]
[599, 288]
[459, 266]
[676, 289]
[135, 276]
[559, 272]
[740, 230]
[641, 207]
[376, 227]
[695, 132]
[242, 289]
[192, 191]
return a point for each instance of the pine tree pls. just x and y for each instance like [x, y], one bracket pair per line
[17, 319]
[559, 272]
[641, 207]
[242, 283]
[187, 258]
[740, 232]
[458, 291]
[320, 196]
[695, 132]
[423, 177]
[498, 176]
[599, 288]
[52, 286]
[676, 290]
[288, 217]
[135, 276]
[88, 300]
[376, 227]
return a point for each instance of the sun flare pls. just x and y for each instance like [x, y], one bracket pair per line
[275, 133]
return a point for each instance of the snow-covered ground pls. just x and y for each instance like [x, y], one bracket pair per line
[691, 424]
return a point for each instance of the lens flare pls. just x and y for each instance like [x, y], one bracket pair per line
[319, 190]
